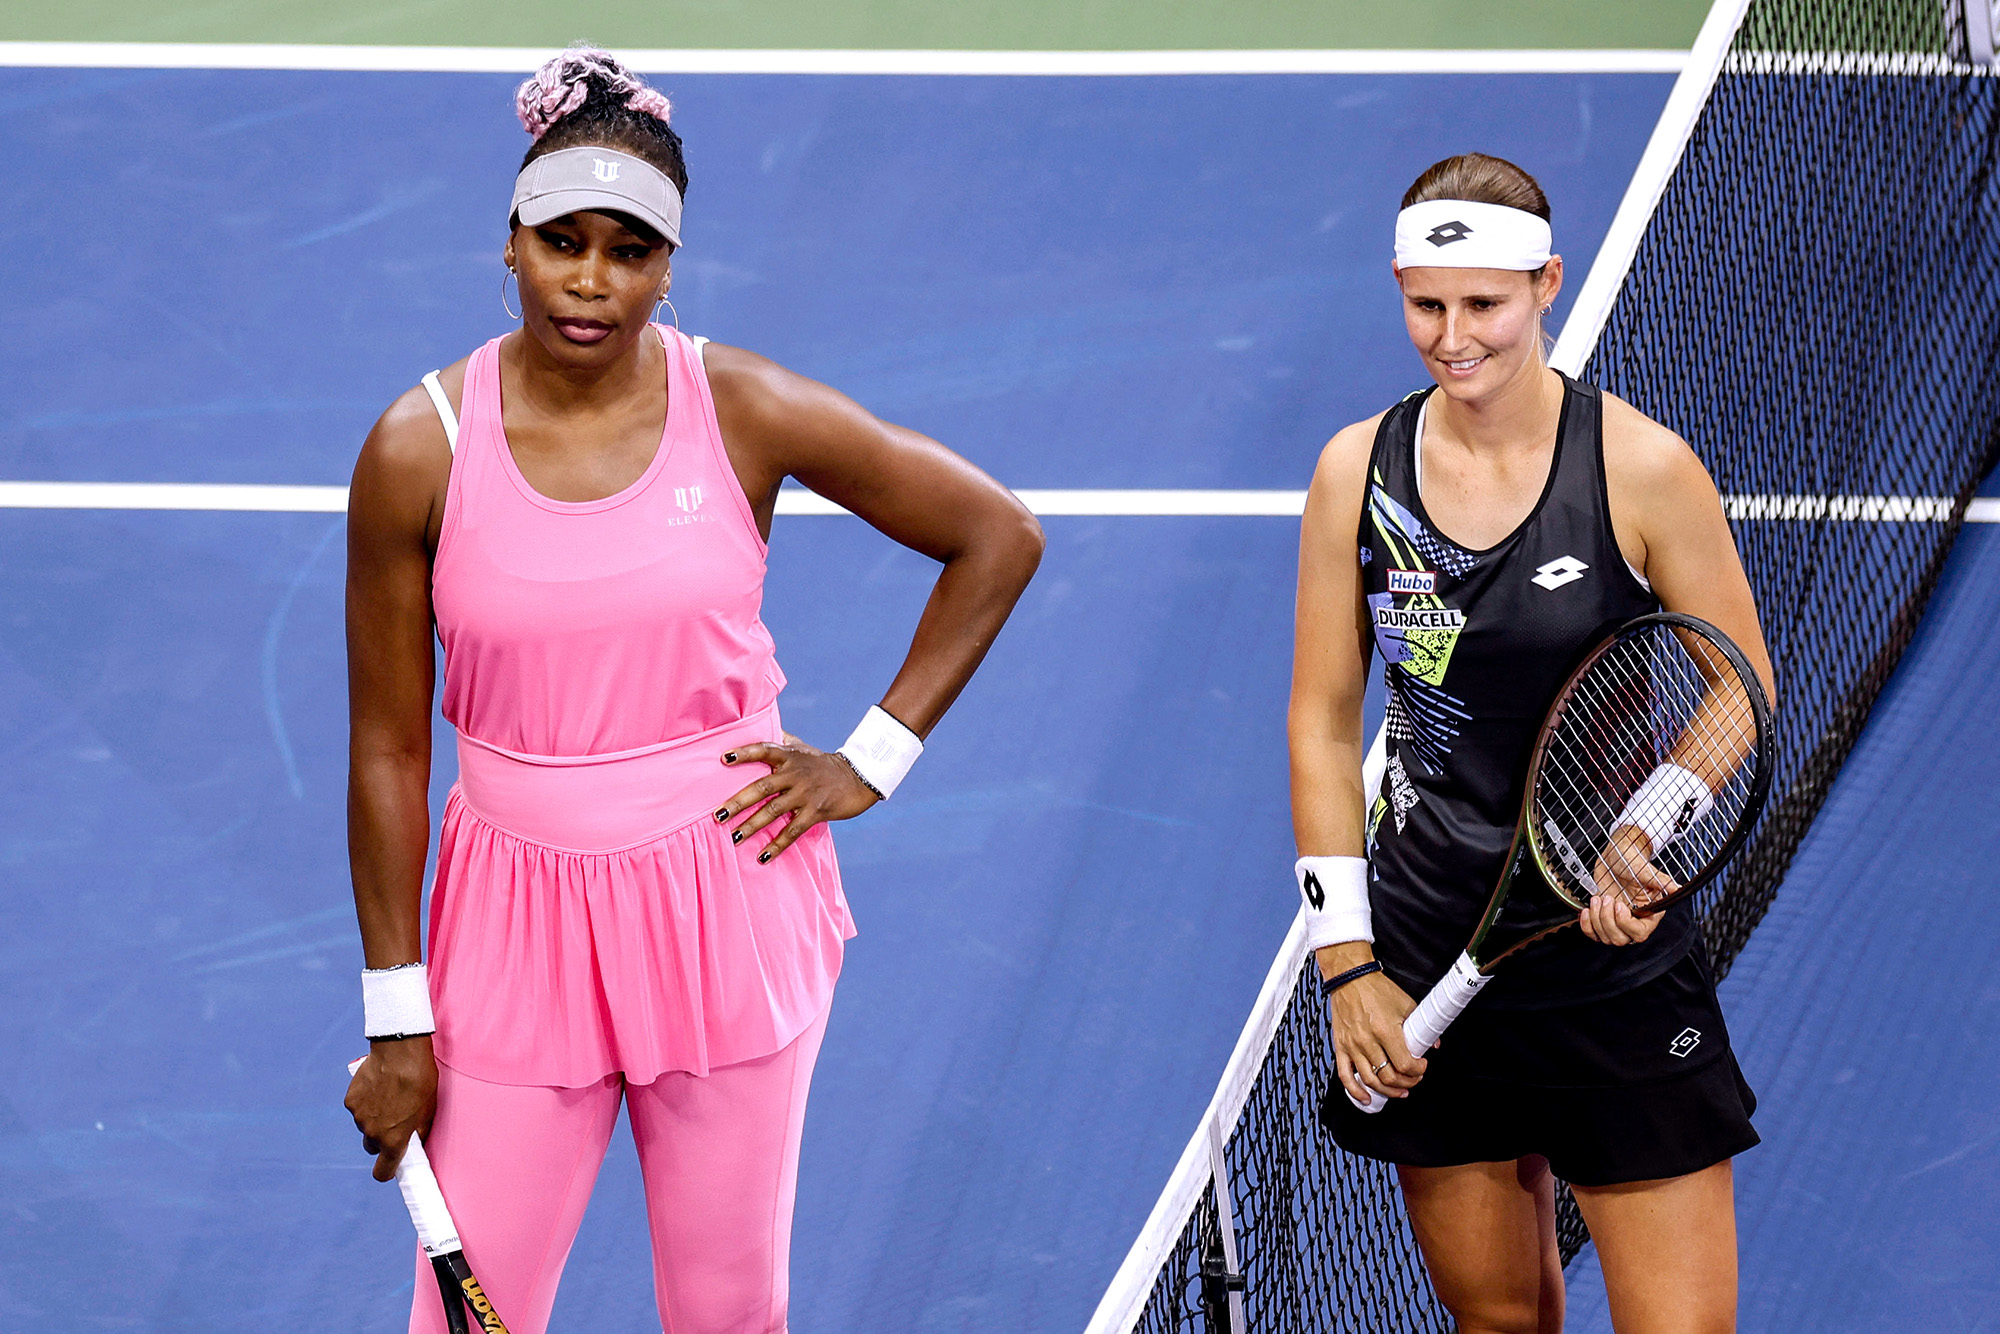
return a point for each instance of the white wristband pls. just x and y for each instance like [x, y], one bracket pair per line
[1670, 802]
[881, 751]
[396, 1002]
[1336, 893]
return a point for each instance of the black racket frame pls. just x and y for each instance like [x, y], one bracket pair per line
[462, 1294]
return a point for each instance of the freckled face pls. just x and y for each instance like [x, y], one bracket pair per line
[588, 285]
[1476, 329]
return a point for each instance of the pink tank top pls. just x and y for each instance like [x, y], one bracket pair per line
[606, 625]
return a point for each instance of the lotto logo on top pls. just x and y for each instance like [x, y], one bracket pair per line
[1562, 570]
[604, 171]
[1413, 581]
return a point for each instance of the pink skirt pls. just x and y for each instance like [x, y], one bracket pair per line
[590, 917]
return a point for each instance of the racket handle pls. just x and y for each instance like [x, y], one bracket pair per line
[1433, 1015]
[436, 1232]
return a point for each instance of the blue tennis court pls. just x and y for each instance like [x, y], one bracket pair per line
[1077, 282]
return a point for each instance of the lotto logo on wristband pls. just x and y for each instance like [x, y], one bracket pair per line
[1315, 894]
[1413, 581]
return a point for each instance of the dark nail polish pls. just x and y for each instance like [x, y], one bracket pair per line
[722, 815]
[763, 857]
[729, 758]
[736, 837]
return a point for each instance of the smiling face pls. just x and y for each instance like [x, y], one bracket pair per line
[588, 285]
[1477, 329]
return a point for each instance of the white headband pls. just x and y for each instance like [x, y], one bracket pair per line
[1459, 234]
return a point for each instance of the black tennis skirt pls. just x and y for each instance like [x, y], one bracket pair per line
[1639, 1086]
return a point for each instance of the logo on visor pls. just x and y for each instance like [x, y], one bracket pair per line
[1445, 233]
[604, 171]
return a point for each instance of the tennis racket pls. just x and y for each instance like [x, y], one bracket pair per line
[438, 1235]
[1650, 767]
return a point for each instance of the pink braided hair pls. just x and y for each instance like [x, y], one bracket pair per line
[562, 85]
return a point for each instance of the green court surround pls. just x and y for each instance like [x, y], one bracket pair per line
[880, 24]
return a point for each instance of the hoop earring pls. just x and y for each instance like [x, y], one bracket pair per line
[670, 306]
[512, 314]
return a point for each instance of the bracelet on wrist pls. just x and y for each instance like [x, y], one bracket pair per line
[859, 777]
[1329, 985]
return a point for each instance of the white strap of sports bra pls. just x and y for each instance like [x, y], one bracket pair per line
[435, 389]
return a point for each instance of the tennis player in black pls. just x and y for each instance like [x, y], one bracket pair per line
[1505, 520]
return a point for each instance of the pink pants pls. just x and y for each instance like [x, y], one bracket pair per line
[720, 1157]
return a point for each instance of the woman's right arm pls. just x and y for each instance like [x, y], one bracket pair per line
[395, 509]
[1329, 677]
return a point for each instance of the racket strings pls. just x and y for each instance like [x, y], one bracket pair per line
[1661, 695]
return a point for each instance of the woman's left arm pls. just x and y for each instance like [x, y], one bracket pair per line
[1671, 526]
[777, 424]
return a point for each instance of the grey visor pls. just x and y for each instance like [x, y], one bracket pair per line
[578, 180]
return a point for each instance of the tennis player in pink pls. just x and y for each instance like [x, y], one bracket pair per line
[636, 898]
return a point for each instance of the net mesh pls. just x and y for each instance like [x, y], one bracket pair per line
[1814, 306]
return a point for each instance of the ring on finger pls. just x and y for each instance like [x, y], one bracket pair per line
[1376, 1068]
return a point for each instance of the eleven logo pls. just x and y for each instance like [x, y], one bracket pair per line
[1412, 581]
[1562, 570]
[688, 500]
[604, 171]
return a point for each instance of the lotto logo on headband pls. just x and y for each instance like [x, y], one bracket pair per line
[1412, 581]
[1466, 234]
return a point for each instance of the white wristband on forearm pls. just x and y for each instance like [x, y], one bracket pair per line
[1670, 802]
[881, 751]
[1336, 893]
[396, 1002]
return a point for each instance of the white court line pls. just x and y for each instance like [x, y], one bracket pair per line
[519, 59]
[172, 496]
[1065, 503]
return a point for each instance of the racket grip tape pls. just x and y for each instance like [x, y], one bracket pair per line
[1434, 1014]
[436, 1232]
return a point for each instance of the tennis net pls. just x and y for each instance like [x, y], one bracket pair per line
[1804, 282]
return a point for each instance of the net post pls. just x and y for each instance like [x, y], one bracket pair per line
[1231, 1278]
[1972, 28]
[1982, 17]
[1592, 306]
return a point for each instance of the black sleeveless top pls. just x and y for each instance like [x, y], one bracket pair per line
[1475, 644]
